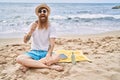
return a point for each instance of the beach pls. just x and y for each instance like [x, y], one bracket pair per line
[93, 28]
[102, 49]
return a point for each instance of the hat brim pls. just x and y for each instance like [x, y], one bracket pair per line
[42, 6]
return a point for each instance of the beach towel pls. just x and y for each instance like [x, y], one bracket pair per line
[77, 53]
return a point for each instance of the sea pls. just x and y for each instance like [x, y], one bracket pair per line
[67, 18]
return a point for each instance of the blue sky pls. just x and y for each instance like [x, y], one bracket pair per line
[63, 1]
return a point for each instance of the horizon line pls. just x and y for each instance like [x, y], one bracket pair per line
[61, 2]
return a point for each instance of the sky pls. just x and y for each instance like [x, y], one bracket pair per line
[63, 1]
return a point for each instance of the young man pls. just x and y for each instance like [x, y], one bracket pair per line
[43, 40]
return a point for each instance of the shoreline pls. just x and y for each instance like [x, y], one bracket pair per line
[8, 41]
[109, 33]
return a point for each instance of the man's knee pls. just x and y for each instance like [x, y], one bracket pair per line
[20, 58]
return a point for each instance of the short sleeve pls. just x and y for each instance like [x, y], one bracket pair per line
[53, 32]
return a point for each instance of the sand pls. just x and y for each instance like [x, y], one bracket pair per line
[103, 49]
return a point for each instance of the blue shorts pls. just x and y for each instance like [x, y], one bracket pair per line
[37, 54]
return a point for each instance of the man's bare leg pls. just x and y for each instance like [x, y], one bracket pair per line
[54, 59]
[28, 62]
[51, 66]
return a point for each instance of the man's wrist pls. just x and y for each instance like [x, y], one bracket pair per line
[49, 54]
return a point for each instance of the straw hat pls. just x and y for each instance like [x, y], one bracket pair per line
[42, 6]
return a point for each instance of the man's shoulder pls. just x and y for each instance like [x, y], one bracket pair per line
[34, 23]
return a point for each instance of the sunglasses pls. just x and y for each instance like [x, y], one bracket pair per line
[42, 11]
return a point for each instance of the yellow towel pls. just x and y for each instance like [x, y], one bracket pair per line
[78, 55]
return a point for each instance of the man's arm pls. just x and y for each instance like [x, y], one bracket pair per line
[28, 35]
[51, 47]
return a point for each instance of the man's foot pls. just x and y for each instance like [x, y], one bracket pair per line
[56, 67]
[24, 69]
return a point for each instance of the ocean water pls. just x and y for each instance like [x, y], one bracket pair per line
[76, 18]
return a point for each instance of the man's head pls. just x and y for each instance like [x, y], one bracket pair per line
[42, 11]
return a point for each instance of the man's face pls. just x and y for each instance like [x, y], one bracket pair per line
[43, 14]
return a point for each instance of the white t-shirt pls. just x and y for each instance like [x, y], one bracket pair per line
[40, 38]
